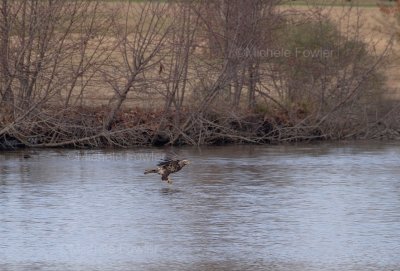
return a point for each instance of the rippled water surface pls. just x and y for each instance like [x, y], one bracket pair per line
[307, 207]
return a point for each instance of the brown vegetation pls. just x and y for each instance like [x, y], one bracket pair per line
[197, 72]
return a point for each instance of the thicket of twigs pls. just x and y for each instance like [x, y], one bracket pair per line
[186, 72]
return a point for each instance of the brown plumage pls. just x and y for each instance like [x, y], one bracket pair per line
[167, 167]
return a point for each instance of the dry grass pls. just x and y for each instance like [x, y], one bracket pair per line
[209, 122]
[374, 31]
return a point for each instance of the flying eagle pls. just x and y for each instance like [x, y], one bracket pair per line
[167, 167]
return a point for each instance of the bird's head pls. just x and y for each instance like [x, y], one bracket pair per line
[184, 162]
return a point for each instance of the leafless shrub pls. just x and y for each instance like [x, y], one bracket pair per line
[207, 72]
[49, 50]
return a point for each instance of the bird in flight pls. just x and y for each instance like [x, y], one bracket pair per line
[168, 166]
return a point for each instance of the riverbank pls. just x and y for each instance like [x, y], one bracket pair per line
[83, 127]
[170, 73]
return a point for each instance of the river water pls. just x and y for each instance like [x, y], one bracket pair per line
[304, 207]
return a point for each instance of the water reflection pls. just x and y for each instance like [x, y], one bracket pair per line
[324, 207]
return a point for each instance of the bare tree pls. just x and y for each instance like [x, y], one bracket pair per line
[47, 47]
[204, 68]
[181, 43]
[139, 40]
[238, 31]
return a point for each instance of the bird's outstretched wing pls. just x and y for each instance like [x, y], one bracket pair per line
[169, 157]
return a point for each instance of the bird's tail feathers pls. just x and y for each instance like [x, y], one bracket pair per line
[151, 170]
